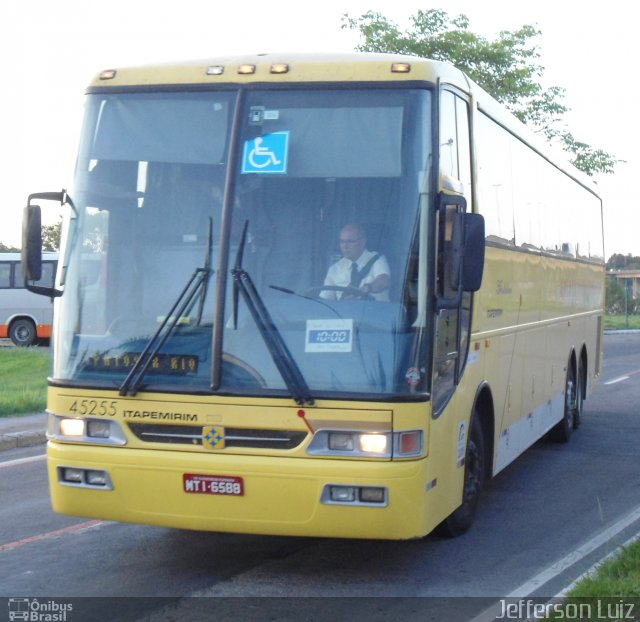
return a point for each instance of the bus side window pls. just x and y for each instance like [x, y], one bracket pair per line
[48, 273]
[452, 324]
[5, 275]
[46, 280]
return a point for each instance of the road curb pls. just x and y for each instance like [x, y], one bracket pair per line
[14, 440]
[23, 431]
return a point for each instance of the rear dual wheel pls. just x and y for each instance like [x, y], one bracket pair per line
[573, 404]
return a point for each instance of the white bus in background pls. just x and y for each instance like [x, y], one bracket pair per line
[25, 317]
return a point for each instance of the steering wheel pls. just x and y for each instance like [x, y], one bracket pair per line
[347, 292]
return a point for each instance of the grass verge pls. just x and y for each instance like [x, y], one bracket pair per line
[23, 380]
[617, 577]
[620, 322]
[611, 593]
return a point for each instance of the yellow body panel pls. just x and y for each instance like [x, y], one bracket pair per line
[281, 495]
[282, 488]
[301, 67]
[519, 348]
[531, 314]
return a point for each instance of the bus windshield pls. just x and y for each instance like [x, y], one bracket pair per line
[313, 201]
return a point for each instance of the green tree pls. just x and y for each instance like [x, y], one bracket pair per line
[51, 236]
[8, 249]
[618, 261]
[617, 301]
[507, 67]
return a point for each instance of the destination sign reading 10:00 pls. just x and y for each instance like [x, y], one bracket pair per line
[329, 336]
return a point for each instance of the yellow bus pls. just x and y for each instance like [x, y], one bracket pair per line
[222, 373]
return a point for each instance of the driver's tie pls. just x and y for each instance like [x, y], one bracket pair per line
[355, 275]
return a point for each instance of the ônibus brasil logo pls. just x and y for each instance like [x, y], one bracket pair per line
[38, 610]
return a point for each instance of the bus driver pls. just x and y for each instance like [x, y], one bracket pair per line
[358, 268]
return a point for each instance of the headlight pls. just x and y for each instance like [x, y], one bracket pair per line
[70, 429]
[340, 441]
[81, 477]
[72, 476]
[373, 443]
[356, 495]
[97, 428]
[351, 444]
[367, 444]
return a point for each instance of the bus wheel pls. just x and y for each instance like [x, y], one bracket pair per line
[580, 384]
[22, 333]
[573, 403]
[461, 519]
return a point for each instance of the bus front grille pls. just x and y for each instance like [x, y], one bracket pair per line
[233, 437]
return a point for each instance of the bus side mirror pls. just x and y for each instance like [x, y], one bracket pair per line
[473, 260]
[32, 243]
[460, 251]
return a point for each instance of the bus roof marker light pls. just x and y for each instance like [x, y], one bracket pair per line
[279, 68]
[108, 74]
[246, 69]
[400, 68]
[215, 70]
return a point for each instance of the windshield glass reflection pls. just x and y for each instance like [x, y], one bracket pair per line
[331, 186]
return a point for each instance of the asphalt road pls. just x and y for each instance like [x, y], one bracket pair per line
[542, 522]
[7, 343]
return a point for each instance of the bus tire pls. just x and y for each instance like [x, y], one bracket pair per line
[580, 390]
[23, 332]
[573, 402]
[462, 518]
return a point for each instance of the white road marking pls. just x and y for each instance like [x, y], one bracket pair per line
[616, 380]
[529, 587]
[592, 571]
[10, 463]
[575, 556]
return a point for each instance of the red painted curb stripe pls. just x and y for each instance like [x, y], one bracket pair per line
[50, 534]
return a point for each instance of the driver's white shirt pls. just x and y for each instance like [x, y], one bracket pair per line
[340, 274]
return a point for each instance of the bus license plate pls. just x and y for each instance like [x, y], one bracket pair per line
[227, 485]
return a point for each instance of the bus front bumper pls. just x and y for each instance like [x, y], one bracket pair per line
[279, 496]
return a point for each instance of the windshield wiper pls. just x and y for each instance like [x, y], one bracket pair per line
[207, 268]
[271, 336]
[286, 290]
[197, 283]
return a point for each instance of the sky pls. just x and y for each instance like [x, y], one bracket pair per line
[49, 51]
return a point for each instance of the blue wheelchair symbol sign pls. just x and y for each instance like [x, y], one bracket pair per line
[266, 154]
